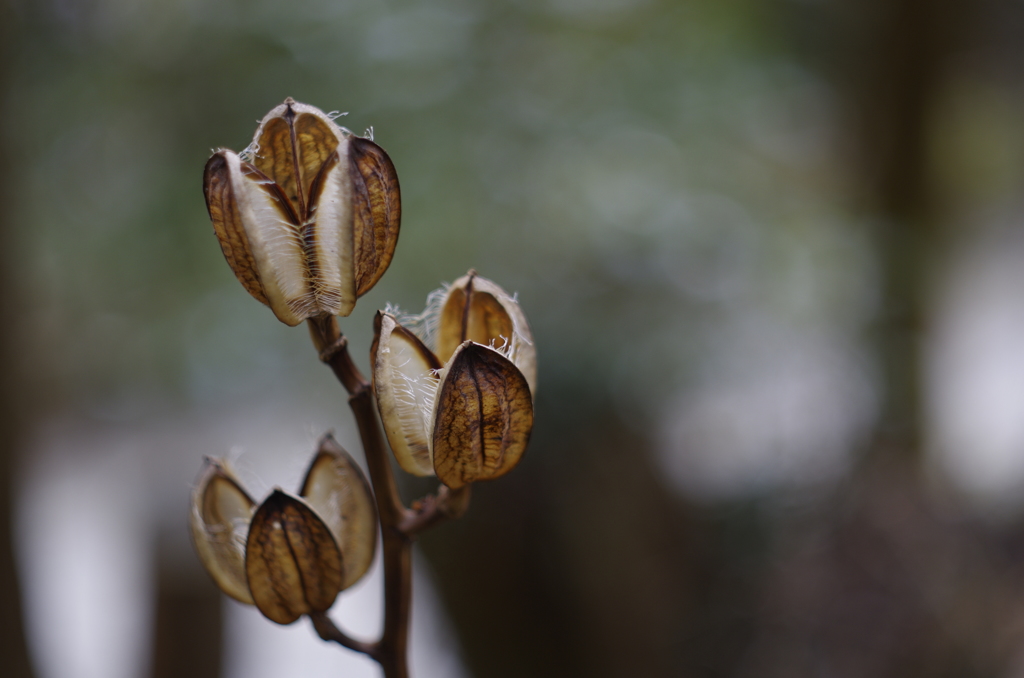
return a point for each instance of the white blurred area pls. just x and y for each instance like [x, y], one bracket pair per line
[94, 495]
[779, 407]
[783, 405]
[976, 361]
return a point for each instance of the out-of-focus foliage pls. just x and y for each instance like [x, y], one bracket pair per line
[655, 170]
[638, 165]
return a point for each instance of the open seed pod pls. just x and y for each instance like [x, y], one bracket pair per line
[221, 512]
[338, 491]
[292, 555]
[475, 309]
[307, 217]
[405, 381]
[471, 418]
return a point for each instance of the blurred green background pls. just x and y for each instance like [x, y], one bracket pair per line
[772, 253]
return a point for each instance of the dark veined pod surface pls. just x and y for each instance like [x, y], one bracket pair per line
[483, 417]
[476, 309]
[292, 561]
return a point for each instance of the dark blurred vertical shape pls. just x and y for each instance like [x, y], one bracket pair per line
[14, 658]
[188, 629]
[881, 580]
[578, 564]
[895, 60]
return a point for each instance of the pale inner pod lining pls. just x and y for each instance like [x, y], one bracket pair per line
[414, 385]
[334, 283]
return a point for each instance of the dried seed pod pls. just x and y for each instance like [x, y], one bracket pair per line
[291, 556]
[338, 491]
[404, 370]
[378, 211]
[308, 219]
[476, 309]
[292, 562]
[471, 419]
[483, 417]
[219, 521]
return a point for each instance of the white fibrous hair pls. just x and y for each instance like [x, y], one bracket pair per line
[415, 398]
[250, 152]
[513, 345]
[430, 319]
[426, 325]
[423, 325]
[225, 537]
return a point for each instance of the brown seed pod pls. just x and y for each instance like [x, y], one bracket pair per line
[292, 562]
[338, 491]
[476, 309]
[291, 555]
[404, 370]
[470, 419]
[219, 521]
[308, 218]
[483, 417]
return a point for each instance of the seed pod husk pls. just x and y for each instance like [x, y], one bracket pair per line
[476, 309]
[338, 491]
[465, 421]
[292, 562]
[483, 417]
[219, 520]
[403, 374]
[309, 218]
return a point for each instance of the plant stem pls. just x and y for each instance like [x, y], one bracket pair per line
[396, 544]
[398, 525]
[431, 510]
[392, 649]
[326, 629]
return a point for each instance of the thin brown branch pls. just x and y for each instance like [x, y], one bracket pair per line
[394, 643]
[327, 630]
[332, 346]
[433, 509]
[396, 545]
[398, 525]
[392, 649]
[389, 503]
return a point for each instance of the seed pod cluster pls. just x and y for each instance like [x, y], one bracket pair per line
[291, 555]
[457, 402]
[307, 217]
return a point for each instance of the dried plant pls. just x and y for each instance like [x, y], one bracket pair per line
[308, 219]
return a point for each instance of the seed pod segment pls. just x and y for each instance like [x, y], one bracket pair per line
[404, 378]
[338, 491]
[483, 417]
[476, 309]
[471, 418]
[292, 562]
[307, 218]
[219, 521]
